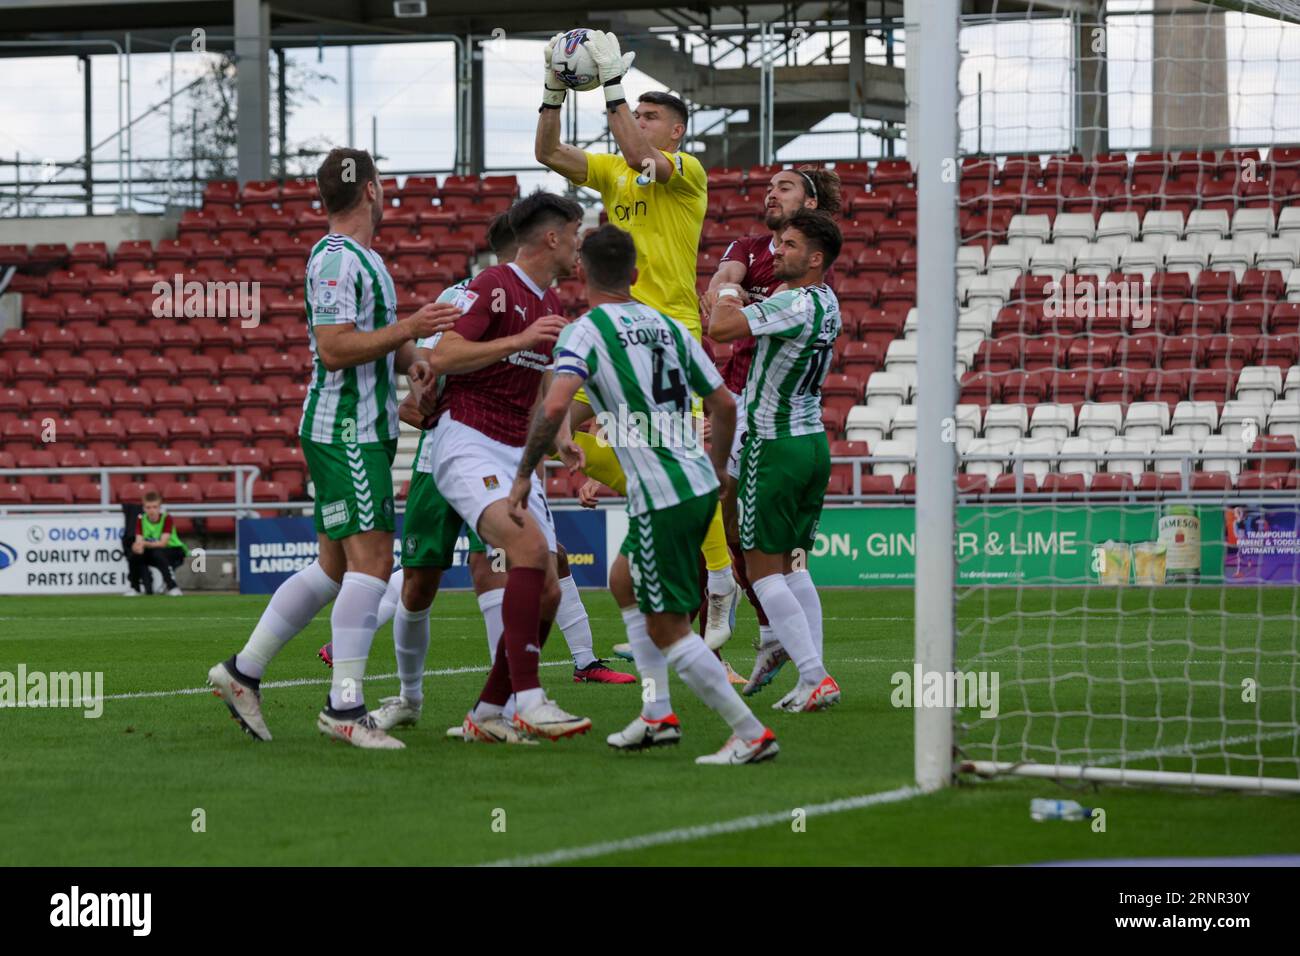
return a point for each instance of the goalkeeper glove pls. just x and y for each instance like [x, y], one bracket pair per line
[552, 95]
[611, 64]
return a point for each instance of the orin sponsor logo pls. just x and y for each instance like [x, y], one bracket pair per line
[947, 689]
[75, 909]
[55, 689]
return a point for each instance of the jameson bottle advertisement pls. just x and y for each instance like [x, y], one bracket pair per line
[1180, 533]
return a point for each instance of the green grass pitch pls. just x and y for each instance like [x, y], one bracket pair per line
[123, 789]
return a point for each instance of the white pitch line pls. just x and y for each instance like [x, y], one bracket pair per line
[305, 682]
[704, 831]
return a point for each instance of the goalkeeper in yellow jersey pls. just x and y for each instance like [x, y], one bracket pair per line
[659, 195]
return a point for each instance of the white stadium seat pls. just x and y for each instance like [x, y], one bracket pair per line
[903, 423]
[1006, 422]
[1253, 220]
[1232, 254]
[1174, 444]
[1261, 384]
[1051, 420]
[866, 423]
[970, 260]
[989, 469]
[1028, 232]
[969, 422]
[1051, 259]
[1239, 416]
[1095, 258]
[895, 470]
[1284, 419]
[1144, 257]
[1146, 420]
[1279, 254]
[887, 390]
[1196, 420]
[1210, 222]
[1100, 421]
[1221, 453]
[1079, 466]
[1029, 447]
[1118, 227]
[1162, 227]
[1186, 255]
[1128, 455]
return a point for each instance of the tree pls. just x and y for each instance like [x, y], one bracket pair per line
[205, 134]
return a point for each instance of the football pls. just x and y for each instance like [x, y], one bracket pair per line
[572, 62]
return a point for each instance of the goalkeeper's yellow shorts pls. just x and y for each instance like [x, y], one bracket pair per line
[603, 466]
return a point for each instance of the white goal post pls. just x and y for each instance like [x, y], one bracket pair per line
[1140, 624]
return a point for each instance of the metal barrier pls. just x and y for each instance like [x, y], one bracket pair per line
[242, 504]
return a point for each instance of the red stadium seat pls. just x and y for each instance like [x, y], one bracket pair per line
[214, 401]
[172, 401]
[239, 371]
[274, 432]
[1006, 484]
[1056, 484]
[266, 491]
[189, 433]
[13, 493]
[1273, 444]
[48, 493]
[143, 434]
[1211, 481]
[289, 469]
[207, 458]
[197, 371]
[1111, 483]
[104, 436]
[230, 433]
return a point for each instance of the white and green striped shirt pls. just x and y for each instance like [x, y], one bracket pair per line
[640, 368]
[796, 330]
[424, 451]
[346, 283]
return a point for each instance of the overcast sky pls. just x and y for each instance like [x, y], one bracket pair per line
[405, 90]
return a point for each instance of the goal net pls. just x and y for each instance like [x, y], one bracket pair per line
[1126, 589]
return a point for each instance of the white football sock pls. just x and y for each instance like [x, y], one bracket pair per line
[704, 674]
[766, 635]
[526, 699]
[721, 582]
[392, 597]
[482, 711]
[292, 606]
[790, 624]
[489, 602]
[650, 664]
[411, 642]
[353, 623]
[572, 619]
[508, 711]
[801, 586]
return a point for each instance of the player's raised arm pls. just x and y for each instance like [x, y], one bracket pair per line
[612, 64]
[569, 161]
